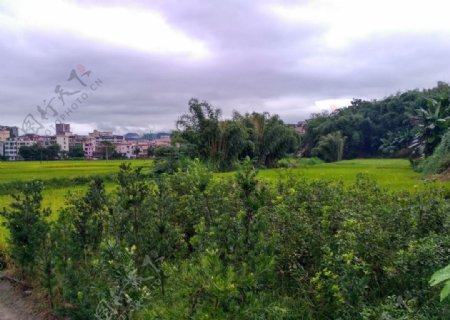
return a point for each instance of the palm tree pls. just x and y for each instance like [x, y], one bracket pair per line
[331, 147]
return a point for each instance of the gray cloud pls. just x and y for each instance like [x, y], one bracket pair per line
[257, 62]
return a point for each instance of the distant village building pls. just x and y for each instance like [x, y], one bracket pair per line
[25, 143]
[162, 141]
[14, 132]
[63, 140]
[10, 149]
[89, 145]
[106, 136]
[94, 145]
[139, 149]
[4, 134]
[62, 128]
[8, 132]
[131, 136]
[97, 134]
[132, 149]
[63, 136]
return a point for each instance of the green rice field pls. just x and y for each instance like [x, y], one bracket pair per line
[54, 198]
[395, 174]
[19, 170]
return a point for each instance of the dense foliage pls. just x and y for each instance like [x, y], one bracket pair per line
[330, 147]
[190, 246]
[432, 122]
[440, 160]
[40, 152]
[394, 126]
[260, 136]
[76, 152]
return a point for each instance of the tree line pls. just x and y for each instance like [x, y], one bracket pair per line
[408, 124]
[39, 152]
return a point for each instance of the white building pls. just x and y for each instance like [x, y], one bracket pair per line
[133, 149]
[24, 143]
[11, 151]
[63, 141]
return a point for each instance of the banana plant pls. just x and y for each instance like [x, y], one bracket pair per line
[431, 123]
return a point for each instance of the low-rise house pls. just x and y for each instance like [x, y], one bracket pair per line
[162, 141]
[133, 149]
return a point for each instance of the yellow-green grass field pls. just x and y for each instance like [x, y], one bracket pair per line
[394, 174]
[54, 198]
[19, 170]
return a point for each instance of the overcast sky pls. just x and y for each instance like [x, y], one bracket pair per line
[286, 57]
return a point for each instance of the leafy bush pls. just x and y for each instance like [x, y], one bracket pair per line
[440, 159]
[26, 222]
[187, 245]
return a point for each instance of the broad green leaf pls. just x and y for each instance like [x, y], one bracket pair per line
[445, 291]
[440, 276]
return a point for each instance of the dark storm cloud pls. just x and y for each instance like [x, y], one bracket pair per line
[257, 62]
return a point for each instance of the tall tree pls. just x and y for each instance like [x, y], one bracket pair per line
[271, 138]
[201, 127]
[27, 225]
[331, 147]
[258, 135]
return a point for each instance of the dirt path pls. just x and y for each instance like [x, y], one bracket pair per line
[14, 305]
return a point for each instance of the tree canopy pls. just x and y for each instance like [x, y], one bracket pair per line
[260, 136]
[385, 127]
[40, 152]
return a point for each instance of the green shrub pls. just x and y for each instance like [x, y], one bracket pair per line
[440, 159]
[28, 227]
[189, 246]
